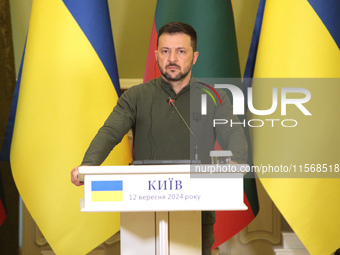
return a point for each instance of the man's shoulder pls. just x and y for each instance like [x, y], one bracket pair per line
[142, 86]
[141, 90]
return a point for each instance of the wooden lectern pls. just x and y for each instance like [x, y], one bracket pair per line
[161, 205]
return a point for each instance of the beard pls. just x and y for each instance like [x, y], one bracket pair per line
[178, 77]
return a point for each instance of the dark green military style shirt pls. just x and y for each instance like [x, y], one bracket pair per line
[158, 131]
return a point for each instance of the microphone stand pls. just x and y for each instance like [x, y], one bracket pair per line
[171, 101]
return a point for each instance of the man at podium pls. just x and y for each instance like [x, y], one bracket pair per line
[159, 113]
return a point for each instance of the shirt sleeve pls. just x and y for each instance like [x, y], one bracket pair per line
[119, 122]
[231, 134]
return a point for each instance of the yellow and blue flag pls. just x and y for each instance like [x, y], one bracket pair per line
[68, 87]
[301, 39]
[106, 191]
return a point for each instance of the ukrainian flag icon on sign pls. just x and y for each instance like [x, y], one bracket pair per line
[106, 191]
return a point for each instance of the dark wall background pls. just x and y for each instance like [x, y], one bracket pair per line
[9, 230]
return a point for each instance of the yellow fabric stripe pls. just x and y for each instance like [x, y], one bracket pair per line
[106, 196]
[295, 43]
[65, 97]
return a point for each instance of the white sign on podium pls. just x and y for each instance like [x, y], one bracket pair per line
[145, 194]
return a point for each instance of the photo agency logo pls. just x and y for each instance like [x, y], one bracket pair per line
[204, 97]
[301, 97]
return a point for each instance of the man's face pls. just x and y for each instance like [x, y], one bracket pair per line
[175, 56]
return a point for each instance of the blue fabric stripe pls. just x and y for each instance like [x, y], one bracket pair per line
[329, 13]
[249, 70]
[6, 145]
[94, 19]
[107, 186]
[250, 66]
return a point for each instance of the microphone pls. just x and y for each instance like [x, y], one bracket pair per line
[172, 102]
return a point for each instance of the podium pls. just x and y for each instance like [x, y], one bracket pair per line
[161, 205]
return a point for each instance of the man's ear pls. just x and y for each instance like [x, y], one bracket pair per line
[196, 53]
[156, 55]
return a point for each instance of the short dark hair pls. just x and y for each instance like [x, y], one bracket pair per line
[179, 27]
